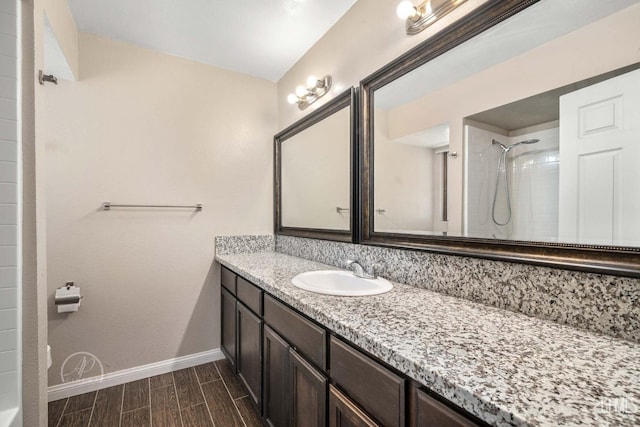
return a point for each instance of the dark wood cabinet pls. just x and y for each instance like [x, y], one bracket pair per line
[344, 413]
[249, 352]
[250, 295]
[228, 280]
[285, 361]
[307, 337]
[378, 390]
[295, 392]
[429, 412]
[228, 327]
[308, 393]
[241, 331]
[276, 379]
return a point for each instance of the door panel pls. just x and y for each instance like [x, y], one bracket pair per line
[276, 379]
[309, 393]
[228, 330]
[249, 356]
[599, 198]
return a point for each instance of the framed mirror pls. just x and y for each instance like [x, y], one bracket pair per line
[315, 163]
[513, 134]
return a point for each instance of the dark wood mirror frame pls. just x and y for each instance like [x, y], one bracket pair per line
[347, 99]
[620, 261]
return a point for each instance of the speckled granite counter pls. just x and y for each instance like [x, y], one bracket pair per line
[506, 368]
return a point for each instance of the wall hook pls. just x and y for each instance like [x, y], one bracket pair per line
[42, 77]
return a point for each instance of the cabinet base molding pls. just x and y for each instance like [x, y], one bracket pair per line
[123, 376]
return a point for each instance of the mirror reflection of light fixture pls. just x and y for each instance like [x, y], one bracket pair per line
[315, 89]
[420, 17]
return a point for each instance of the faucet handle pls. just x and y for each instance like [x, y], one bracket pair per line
[370, 273]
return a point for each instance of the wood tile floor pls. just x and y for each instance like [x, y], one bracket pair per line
[205, 395]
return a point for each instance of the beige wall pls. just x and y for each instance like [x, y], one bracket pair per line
[315, 174]
[404, 183]
[65, 30]
[144, 127]
[367, 37]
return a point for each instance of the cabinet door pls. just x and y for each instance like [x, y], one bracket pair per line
[344, 413]
[276, 379]
[228, 328]
[249, 356]
[309, 393]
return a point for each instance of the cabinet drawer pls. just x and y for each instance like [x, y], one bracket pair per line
[430, 412]
[250, 295]
[305, 336]
[228, 279]
[376, 389]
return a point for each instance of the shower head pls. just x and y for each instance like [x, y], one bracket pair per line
[529, 141]
[506, 149]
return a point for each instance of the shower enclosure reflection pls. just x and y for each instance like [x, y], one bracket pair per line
[502, 178]
[512, 187]
[561, 177]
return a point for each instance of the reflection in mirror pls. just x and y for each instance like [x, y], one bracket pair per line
[411, 173]
[313, 185]
[549, 167]
[544, 109]
[315, 175]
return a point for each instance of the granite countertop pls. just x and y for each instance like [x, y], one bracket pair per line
[504, 367]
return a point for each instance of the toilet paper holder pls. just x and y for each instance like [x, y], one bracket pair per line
[68, 297]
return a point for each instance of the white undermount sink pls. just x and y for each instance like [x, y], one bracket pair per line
[339, 282]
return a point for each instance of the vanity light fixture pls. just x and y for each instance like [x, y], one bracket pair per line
[315, 89]
[420, 17]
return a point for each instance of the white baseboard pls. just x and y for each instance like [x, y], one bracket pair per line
[75, 388]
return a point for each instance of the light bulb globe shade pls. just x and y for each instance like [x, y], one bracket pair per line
[301, 91]
[406, 10]
[312, 81]
[292, 98]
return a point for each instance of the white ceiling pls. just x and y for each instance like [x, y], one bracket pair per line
[262, 38]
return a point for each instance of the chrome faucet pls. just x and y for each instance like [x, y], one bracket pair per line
[358, 271]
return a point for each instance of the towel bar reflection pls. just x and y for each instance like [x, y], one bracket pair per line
[108, 205]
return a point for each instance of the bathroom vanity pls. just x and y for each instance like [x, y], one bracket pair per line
[298, 372]
[409, 171]
[411, 357]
